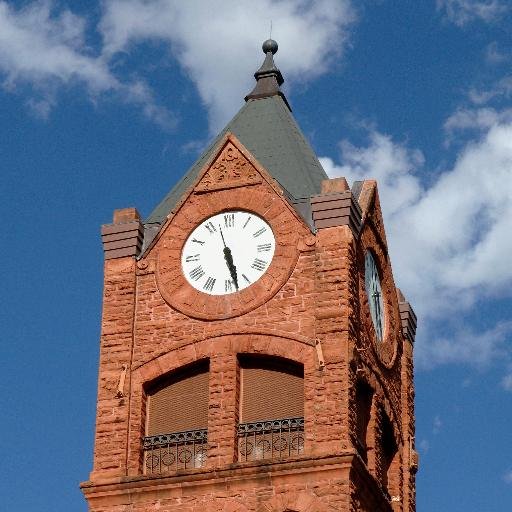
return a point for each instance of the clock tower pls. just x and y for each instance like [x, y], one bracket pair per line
[255, 353]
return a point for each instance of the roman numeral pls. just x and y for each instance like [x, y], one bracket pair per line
[228, 285]
[193, 257]
[196, 273]
[197, 241]
[210, 227]
[259, 232]
[264, 247]
[229, 220]
[247, 280]
[247, 221]
[210, 282]
[259, 264]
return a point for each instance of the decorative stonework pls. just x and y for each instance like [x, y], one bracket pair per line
[373, 238]
[230, 169]
[217, 194]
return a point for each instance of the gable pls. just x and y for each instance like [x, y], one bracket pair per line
[268, 130]
[232, 181]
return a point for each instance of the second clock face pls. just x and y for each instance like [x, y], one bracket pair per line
[227, 252]
[374, 294]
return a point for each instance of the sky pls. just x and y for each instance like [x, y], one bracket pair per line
[104, 105]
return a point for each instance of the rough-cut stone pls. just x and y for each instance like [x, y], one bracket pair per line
[314, 303]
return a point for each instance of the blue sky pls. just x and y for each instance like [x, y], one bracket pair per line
[104, 105]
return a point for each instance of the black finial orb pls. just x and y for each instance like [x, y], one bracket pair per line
[269, 46]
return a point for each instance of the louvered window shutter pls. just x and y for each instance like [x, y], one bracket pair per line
[270, 389]
[179, 403]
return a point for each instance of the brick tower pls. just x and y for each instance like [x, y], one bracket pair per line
[255, 354]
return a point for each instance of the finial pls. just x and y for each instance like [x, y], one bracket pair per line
[269, 46]
[268, 77]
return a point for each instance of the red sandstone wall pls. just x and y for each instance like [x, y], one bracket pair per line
[319, 296]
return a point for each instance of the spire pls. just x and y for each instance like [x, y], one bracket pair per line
[268, 77]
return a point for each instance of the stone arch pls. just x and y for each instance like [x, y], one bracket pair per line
[297, 349]
[288, 347]
[295, 502]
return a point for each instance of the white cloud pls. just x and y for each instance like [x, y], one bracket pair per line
[507, 381]
[462, 12]
[424, 445]
[46, 49]
[493, 54]
[436, 425]
[476, 119]
[450, 240]
[507, 477]
[468, 347]
[218, 44]
[502, 89]
[37, 46]
[457, 230]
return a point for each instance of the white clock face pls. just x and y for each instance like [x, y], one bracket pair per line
[374, 294]
[227, 252]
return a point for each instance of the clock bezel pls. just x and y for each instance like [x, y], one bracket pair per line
[227, 234]
[374, 315]
[265, 203]
[387, 348]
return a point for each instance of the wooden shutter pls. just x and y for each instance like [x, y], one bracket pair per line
[270, 389]
[179, 403]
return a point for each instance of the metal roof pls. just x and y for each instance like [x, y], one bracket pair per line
[266, 127]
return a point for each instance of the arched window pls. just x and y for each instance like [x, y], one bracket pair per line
[389, 456]
[177, 420]
[271, 408]
[363, 408]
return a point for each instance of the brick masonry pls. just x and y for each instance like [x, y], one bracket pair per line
[153, 322]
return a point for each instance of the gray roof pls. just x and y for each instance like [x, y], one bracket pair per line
[266, 127]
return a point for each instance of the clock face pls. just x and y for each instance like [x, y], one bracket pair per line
[374, 294]
[227, 252]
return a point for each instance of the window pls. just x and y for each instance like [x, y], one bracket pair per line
[271, 408]
[389, 455]
[177, 420]
[364, 397]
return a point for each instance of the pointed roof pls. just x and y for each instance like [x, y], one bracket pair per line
[266, 127]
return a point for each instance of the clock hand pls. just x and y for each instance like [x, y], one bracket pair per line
[228, 257]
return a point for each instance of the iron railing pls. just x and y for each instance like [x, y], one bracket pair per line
[165, 453]
[271, 439]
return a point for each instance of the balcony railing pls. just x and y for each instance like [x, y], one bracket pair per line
[179, 450]
[272, 439]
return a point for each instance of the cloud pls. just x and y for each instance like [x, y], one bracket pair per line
[467, 347]
[493, 55]
[507, 477]
[456, 230]
[46, 49]
[507, 381]
[448, 239]
[462, 12]
[218, 45]
[476, 119]
[436, 425]
[39, 47]
[424, 445]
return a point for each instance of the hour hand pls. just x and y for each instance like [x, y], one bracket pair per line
[231, 267]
